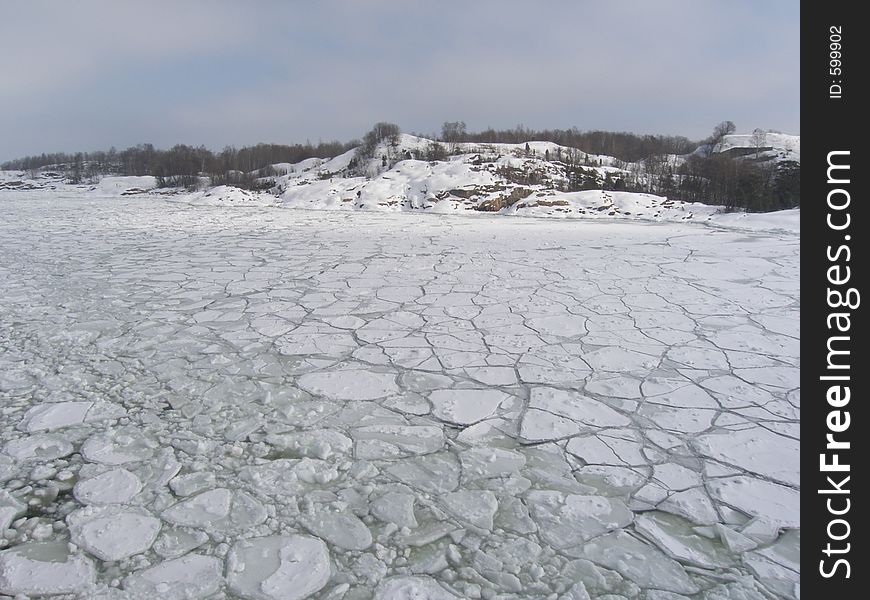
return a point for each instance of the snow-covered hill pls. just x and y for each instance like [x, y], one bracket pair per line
[510, 179]
[777, 147]
[418, 174]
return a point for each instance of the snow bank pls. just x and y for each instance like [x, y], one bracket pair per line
[121, 184]
[225, 195]
[780, 220]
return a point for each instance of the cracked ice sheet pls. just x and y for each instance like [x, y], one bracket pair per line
[215, 400]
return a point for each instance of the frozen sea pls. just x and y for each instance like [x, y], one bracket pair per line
[256, 402]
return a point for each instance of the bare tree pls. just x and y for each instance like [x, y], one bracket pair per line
[759, 140]
[453, 132]
[389, 134]
[719, 132]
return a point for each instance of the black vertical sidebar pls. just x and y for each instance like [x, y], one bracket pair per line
[834, 372]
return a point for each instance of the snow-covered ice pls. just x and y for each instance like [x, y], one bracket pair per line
[44, 568]
[464, 407]
[229, 399]
[45, 417]
[277, 567]
[110, 487]
[111, 533]
[187, 578]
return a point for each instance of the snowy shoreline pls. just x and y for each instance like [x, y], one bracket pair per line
[784, 221]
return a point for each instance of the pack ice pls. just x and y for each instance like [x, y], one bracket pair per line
[232, 400]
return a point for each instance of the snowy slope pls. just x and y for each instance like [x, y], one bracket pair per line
[504, 178]
[508, 179]
[774, 146]
[483, 177]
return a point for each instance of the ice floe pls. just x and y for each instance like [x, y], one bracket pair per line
[186, 578]
[111, 533]
[43, 569]
[115, 486]
[269, 404]
[279, 567]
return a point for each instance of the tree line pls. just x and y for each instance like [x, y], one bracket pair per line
[181, 164]
[626, 146]
[673, 166]
[145, 159]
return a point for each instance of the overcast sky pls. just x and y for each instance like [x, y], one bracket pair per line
[88, 75]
